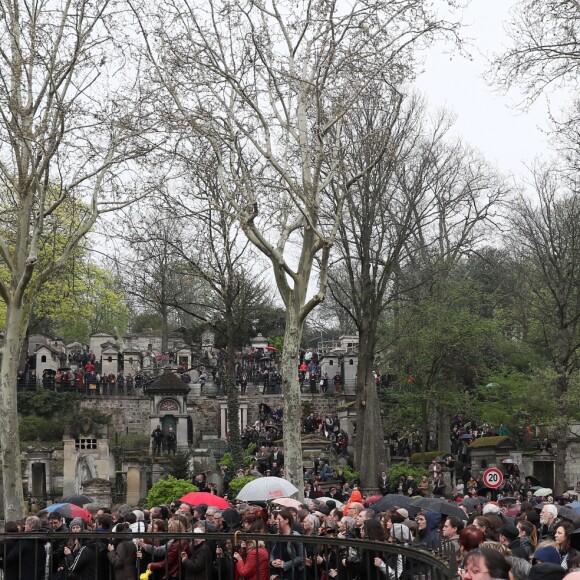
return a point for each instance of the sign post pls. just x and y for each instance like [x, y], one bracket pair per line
[493, 478]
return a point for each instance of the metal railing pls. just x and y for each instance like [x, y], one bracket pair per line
[85, 555]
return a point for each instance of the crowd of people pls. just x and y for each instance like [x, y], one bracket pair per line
[534, 543]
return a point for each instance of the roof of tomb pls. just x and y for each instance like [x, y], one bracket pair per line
[168, 383]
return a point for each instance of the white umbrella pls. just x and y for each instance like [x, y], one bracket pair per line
[339, 504]
[266, 489]
[543, 492]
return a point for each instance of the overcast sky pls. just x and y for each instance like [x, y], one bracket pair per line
[487, 120]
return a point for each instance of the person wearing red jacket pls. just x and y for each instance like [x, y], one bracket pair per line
[252, 561]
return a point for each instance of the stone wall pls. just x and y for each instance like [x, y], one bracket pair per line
[131, 414]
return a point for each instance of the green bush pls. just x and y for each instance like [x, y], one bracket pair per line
[247, 458]
[236, 485]
[47, 404]
[166, 490]
[40, 429]
[352, 476]
[404, 469]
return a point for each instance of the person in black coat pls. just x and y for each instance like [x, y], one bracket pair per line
[27, 557]
[509, 537]
[6, 546]
[87, 559]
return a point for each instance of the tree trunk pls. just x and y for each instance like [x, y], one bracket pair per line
[293, 465]
[560, 484]
[370, 456]
[9, 436]
[232, 394]
[443, 430]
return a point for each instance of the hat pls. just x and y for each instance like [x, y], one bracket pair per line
[547, 554]
[491, 508]
[403, 512]
[547, 571]
[78, 522]
[509, 531]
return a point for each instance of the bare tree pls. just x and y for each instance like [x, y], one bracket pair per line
[380, 216]
[545, 236]
[544, 55]
[269, 85]
[63, 138]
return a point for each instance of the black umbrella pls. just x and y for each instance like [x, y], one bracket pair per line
[440, 506]
[534, 480]
[393, 500]
[472, 502]
[507, 500]
[77, 499]
[467, 436]
[566, 512]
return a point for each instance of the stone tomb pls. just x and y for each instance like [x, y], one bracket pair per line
[86, 458]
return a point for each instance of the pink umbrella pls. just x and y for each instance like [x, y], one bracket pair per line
[202, 497]
[287, 502]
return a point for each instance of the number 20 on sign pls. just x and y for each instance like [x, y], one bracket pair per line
[493, 478]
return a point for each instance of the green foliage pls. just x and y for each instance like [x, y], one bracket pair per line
[178, 466]
[278, 343]
[236, 485]
[166, 490]
[350, 474]
[134, 442]
[47, 404]
[403, 469]
[40, 429]
[247, 457]
[146, 322]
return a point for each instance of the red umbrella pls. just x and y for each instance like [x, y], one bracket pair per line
[271, 348]
[68, 510]
[202, 497]
[372, 499]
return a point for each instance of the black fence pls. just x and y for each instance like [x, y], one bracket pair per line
[214, 556]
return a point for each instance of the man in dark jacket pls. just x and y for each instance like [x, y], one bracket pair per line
[58, 560]
[199, 565]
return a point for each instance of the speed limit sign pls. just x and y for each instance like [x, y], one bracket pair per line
[493, 478]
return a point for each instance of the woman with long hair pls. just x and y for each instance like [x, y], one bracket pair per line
[568, 556]
[172, 563]
[528, 536]
[364, 564]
